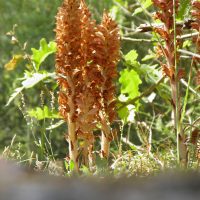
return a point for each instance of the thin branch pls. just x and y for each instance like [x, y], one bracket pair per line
[129, 143]
[189, 53]
[190, 88]
[182, 37]
[149, 28]
[135, 39]
[125, 10]
[186, 36]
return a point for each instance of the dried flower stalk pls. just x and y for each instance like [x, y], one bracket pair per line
[169, 32]
[109, 52]
[88, 109]
[68, 66]
[195, 12]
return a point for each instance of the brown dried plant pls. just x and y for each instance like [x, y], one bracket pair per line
[169, 57]
[195, 12]
[166, 32]
[86, 59]
[107, 57]
[68, 67]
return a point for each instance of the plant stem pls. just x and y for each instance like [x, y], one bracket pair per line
[175, 86]
[73, 140]
[73, 146]
[105, 138]
[105, 145]
[91, 154]
[88, 156]
[136, 39]
[181, 146]
[85, 153]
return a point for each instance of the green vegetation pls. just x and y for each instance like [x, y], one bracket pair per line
[157, 88]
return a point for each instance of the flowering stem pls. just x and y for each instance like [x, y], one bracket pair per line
[105, 138]
[73, 147]
[176, 85]
[181, 147]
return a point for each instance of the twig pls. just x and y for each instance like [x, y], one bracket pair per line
[135, 40]
[148, 28]
[186, 36]
[189, 53]
[129, 143]
[190, 88]
[127, 12]
[138, 30]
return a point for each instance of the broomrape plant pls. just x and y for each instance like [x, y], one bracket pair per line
[167, 51]
[170, 41]
[86, 59]
[195, 136]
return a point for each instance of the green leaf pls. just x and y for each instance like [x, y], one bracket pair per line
[184, 9]
[151, 73]
[44, 51]
[187, 43]
[148, 57]
[131, 60]
[131, 57]
[14, 94]
[127, 113]
[130, 82]
[71, 165]
[144, 4]
[34, 79]
[43, 113]
[123, 114]
[30, 80]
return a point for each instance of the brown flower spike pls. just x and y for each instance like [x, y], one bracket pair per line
[196, 26]
[107, 57]
[86, 59]
[169, 58]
